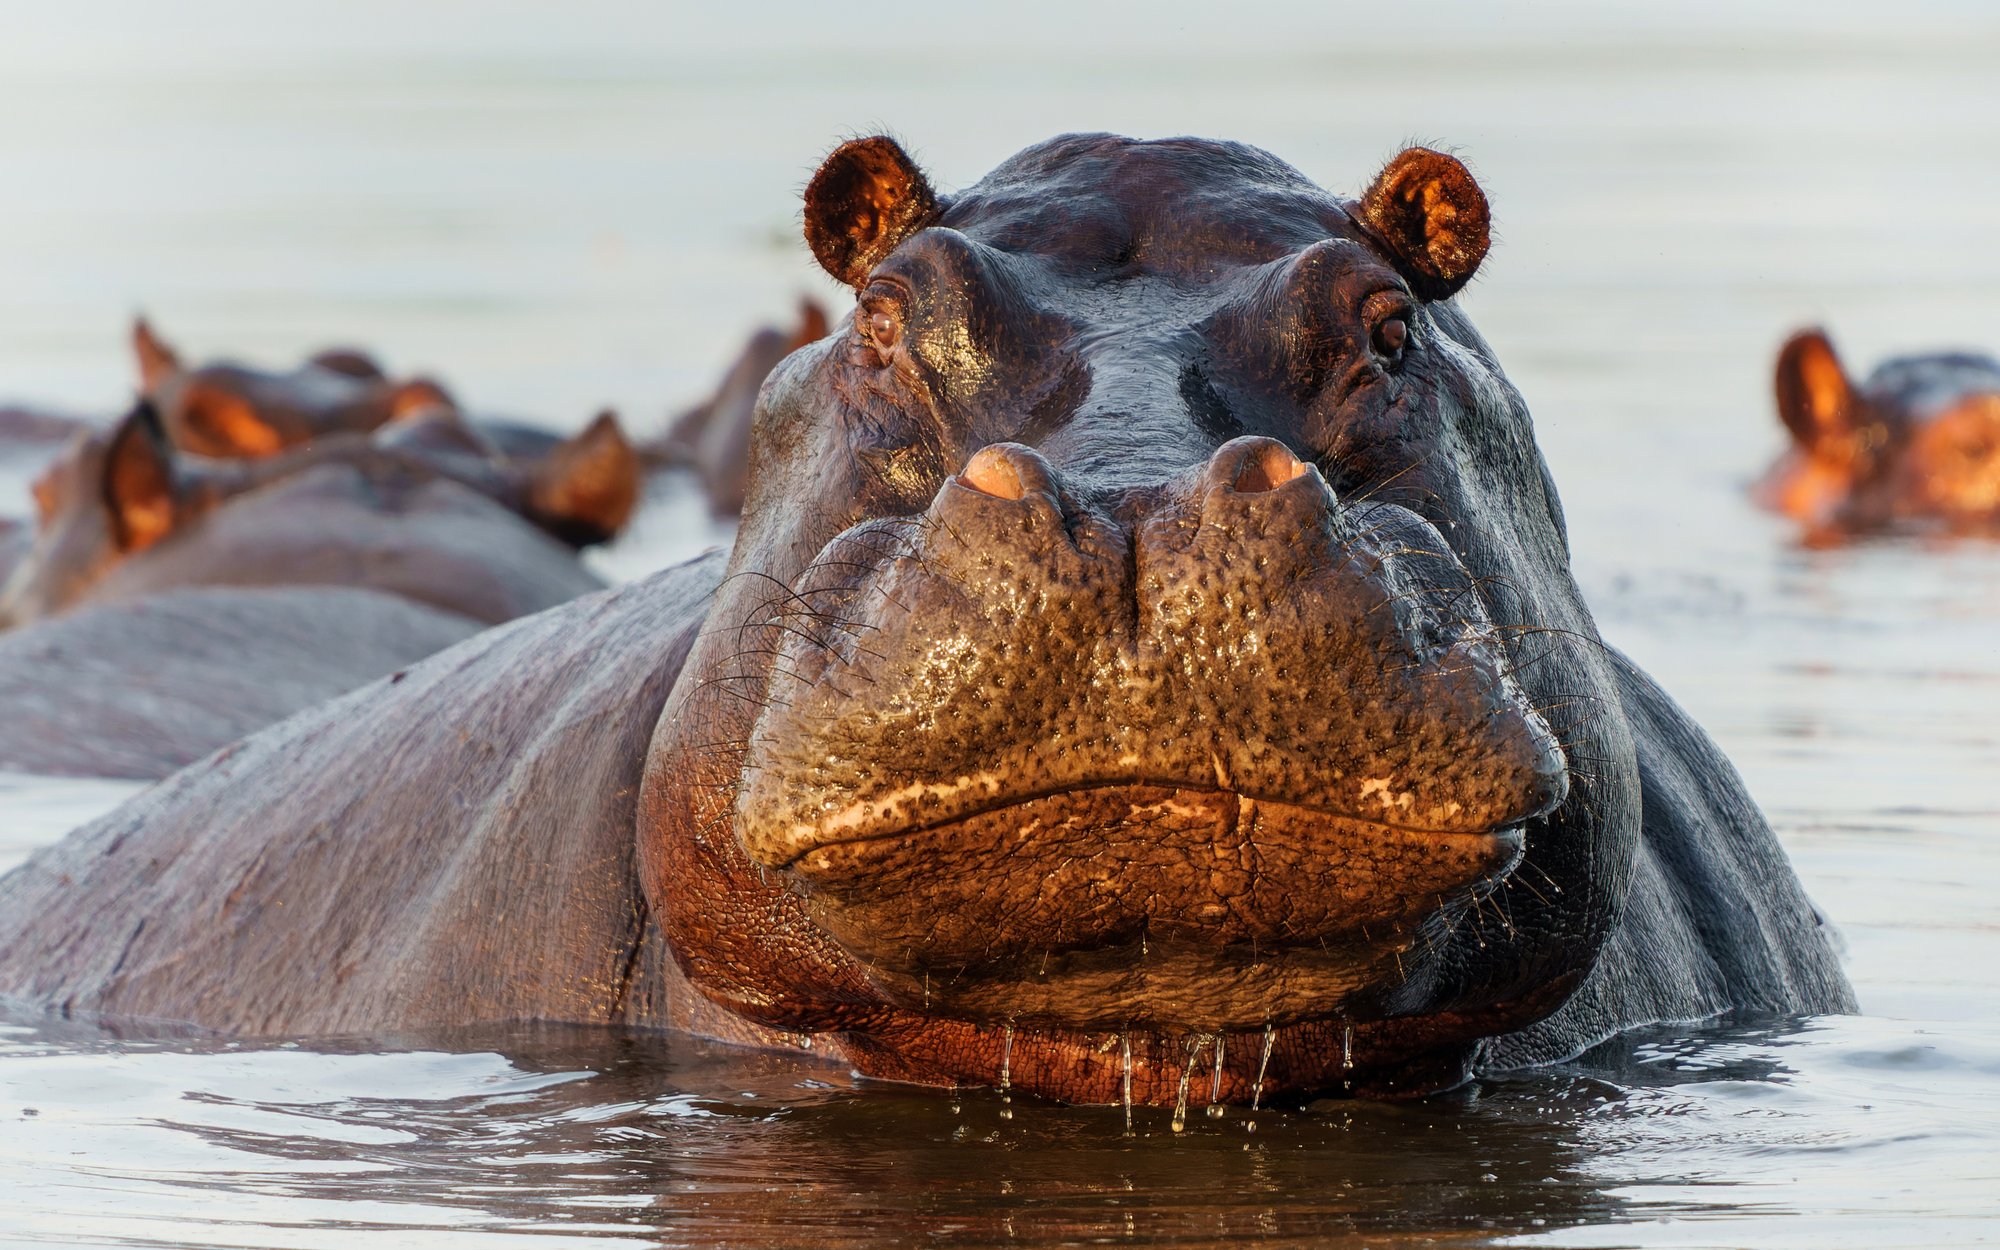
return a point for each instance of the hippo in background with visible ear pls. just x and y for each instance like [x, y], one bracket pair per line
[173, 604]
[713, 437]
[122, 514]
[1914, 446]
[1149, 665]
[233, 411]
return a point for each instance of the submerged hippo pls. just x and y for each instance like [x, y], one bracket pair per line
[234, 411]
[1917, 444]
[123, 514]
[1149, 668]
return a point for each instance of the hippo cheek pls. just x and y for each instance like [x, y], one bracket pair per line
[1168, 906]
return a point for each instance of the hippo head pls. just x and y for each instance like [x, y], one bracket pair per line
[109, 495]
[115, 494]
[230, 410]
[1149, 646]
[1918, 441]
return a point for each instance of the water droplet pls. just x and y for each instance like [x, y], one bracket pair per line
[1347, 1048]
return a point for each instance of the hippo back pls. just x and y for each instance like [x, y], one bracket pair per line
[140, 689]
[447, 847]
[370, 525]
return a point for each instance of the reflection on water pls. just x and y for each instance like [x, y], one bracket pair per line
[559, 1132]
[555, 212]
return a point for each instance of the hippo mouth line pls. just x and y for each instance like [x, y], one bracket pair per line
[809, 842]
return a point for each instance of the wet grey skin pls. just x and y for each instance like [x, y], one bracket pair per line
[1150, 636]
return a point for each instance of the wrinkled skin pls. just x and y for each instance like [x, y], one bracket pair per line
[713, 437]
[1915, 446]
[1149, 661]
[234, 411]
[121, 513]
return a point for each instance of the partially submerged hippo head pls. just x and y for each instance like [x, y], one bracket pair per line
[1150, 635]
[231, 410]
[1916, 443]
[115, 495]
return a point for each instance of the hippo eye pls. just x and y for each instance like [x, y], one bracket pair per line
[878, 323]
[1389, 326]
[883, 329]
[1391, 335]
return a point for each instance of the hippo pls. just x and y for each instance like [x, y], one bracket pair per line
[582, 489]
[713, 437]
[234, 411]
[1148, 670]
[123, 514]
[139, 688]
[1914, 446]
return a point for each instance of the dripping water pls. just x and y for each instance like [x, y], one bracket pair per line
[1187, 1074]
[1125, 1046]
[1007, 1073]
[1263, 1062]
[1215, 1082]
[1347, 1048]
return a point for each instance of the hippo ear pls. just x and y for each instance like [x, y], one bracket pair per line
[139, 480]
[215, 421]
[868, 197]
[157, 361]
[1815, 399]
[585, 489]
[1425, 206]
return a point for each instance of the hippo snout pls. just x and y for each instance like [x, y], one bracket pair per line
[1229, 708]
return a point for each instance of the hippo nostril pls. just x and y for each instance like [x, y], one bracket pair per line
[990, 472]
[1267, 468]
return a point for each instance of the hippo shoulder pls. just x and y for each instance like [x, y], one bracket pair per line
[447, 846]
[1715, 920]
[139, 689]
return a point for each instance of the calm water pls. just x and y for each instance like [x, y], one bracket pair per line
[557, 212]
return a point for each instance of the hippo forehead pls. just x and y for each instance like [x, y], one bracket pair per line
[1113, 207]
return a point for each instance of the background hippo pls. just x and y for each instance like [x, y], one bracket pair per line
[232, 410]
[1917, 443]
[172, 604]
[122, 514]
[1149, 654]
[141, 688]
